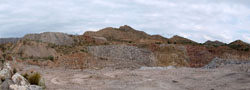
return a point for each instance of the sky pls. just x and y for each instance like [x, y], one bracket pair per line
[199, 20]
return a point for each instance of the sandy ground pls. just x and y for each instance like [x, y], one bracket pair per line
[226, 78]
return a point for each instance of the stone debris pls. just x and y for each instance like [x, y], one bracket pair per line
[15, 82]
[217, 62]
[19, 79]
[124, 54]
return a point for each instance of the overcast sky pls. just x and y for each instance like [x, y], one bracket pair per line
[199, 20]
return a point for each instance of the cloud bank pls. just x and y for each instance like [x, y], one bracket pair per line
[199, 20]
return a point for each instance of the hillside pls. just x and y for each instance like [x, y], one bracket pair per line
[124, 47]
[51, 37]
[215, 43]
[181, 40]
[124, 34]
[240, 45]
[114, 58]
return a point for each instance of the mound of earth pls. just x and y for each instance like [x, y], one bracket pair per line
[124, 55]
[8, 40]
[51, 37]
[33, 49]
[218, 62]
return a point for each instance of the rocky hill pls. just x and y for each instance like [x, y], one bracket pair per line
[124, 47]
[240, 45]
[216, 43]
[181, 40]
[51, 37]
[124, 33]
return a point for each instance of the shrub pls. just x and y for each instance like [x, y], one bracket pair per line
[246, 49]
[14, 71]
[34, 79]
[169, 42]
[83, 50]
[51, 58]
[25, 76]
[157, 42]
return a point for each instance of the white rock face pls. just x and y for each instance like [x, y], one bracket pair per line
[25, 87]
[51, 37]
[6, 71]
[19, 79]
[16, 82]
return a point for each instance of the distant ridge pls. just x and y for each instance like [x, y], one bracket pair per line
[8, 40]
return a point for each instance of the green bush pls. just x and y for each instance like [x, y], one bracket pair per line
[157, 42]
[51, 58]
[25, 75]
[246, 49]
[14, 71]
[34, 79]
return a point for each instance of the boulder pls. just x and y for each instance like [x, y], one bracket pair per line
[25, 87]
[6, 71]
[51, 37]
[5, 85]
[19, 79]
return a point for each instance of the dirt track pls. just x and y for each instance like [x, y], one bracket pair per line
[227, 78]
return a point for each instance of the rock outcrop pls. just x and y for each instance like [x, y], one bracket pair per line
[51, 37]
[33, 49]
[15, 82]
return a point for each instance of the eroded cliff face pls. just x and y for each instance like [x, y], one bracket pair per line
[51, 37]
[172, 55]
[27, 48]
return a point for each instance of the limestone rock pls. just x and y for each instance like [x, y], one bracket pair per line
[5, 85]
[19, 79]
[25, 87]
[6, 71]
[51, 37]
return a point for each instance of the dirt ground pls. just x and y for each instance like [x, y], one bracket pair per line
[233, 77]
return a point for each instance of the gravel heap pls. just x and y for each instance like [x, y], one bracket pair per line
[124, 54]
[217, 62]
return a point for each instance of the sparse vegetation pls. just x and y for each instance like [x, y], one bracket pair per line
[14, 71]
[25, 75]
[51, 58]
[34, 79]
[157, 42]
